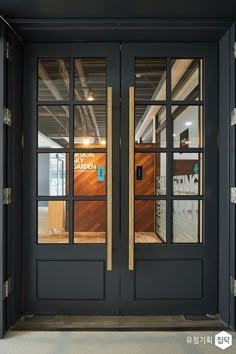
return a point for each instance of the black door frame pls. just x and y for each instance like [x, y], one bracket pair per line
[174, 252]
[134, 30]
[11, 170]
[75, 252]
[2, 182]
[58, 253]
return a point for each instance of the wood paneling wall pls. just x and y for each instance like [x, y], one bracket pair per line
[145, 210]
[86, 180]
[145, 216]
[146, 186]
[89, 216]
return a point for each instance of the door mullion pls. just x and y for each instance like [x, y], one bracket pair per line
[169, 221]
[71, 145]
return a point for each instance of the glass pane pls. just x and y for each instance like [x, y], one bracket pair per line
[53, 221]
[89, 173]
[187, 126]
[53, 127]
[150, 126]
[187, 174]
[186, 79]
[160, 219]
[90, 126]
[53, 174]
[90, 79]
[150, 221]
[53, 79]
[150, 79]
[90, 222]
[187, 221]
[150, 173]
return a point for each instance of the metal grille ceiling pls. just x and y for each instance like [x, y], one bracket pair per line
[90, 83]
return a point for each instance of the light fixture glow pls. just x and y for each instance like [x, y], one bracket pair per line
[174, 134]
[188, 124]
[103, 142]
[90, 96]
[86, 141]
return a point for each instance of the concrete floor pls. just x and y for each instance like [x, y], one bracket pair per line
[107, 343]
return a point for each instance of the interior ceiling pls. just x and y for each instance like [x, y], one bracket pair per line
[71, 9]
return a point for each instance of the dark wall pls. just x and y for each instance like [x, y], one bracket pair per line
[14, 234]
[224, 166]
[227, 250]
[118, 9]
[2, 207]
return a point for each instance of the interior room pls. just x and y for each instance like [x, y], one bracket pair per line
[89, 169]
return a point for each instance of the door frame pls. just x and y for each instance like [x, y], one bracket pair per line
[63, 252]
[149, 252]
[3, 248]
[133, 30]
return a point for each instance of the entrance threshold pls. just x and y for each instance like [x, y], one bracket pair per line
[115, 323]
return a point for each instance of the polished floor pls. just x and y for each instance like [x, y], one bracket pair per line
[111, 342]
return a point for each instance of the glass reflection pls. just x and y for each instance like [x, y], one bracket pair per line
[186, 79]
[150, 172]
[90, 126]
[150, 221]
[53, 221]
[53, 174]
[90, 222]
[53, 127]
[187, 221]
[90, 79]
[187, 126]
[150, 126]
[187, 174]
[89, 173]
[150, 79]
[53, 79]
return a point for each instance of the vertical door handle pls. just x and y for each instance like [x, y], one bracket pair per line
[131, 178]
[109, 178]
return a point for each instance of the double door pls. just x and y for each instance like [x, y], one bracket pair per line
[120, 179]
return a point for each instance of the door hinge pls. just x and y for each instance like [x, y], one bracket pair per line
[7, 116]
[234, 50]
[6, 196]
[233, 286]
[7, 288]
[8, 51]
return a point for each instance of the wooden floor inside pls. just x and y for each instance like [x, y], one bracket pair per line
[95, 237]
[124, 322]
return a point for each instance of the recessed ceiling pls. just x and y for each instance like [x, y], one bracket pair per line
[46, 9]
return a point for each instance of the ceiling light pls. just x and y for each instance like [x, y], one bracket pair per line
[138, 76]
[188, 124]
[87, 141]
[90, 96]
[103, 142]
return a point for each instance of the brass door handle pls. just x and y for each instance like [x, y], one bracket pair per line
[109, 178]
[131, 178]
